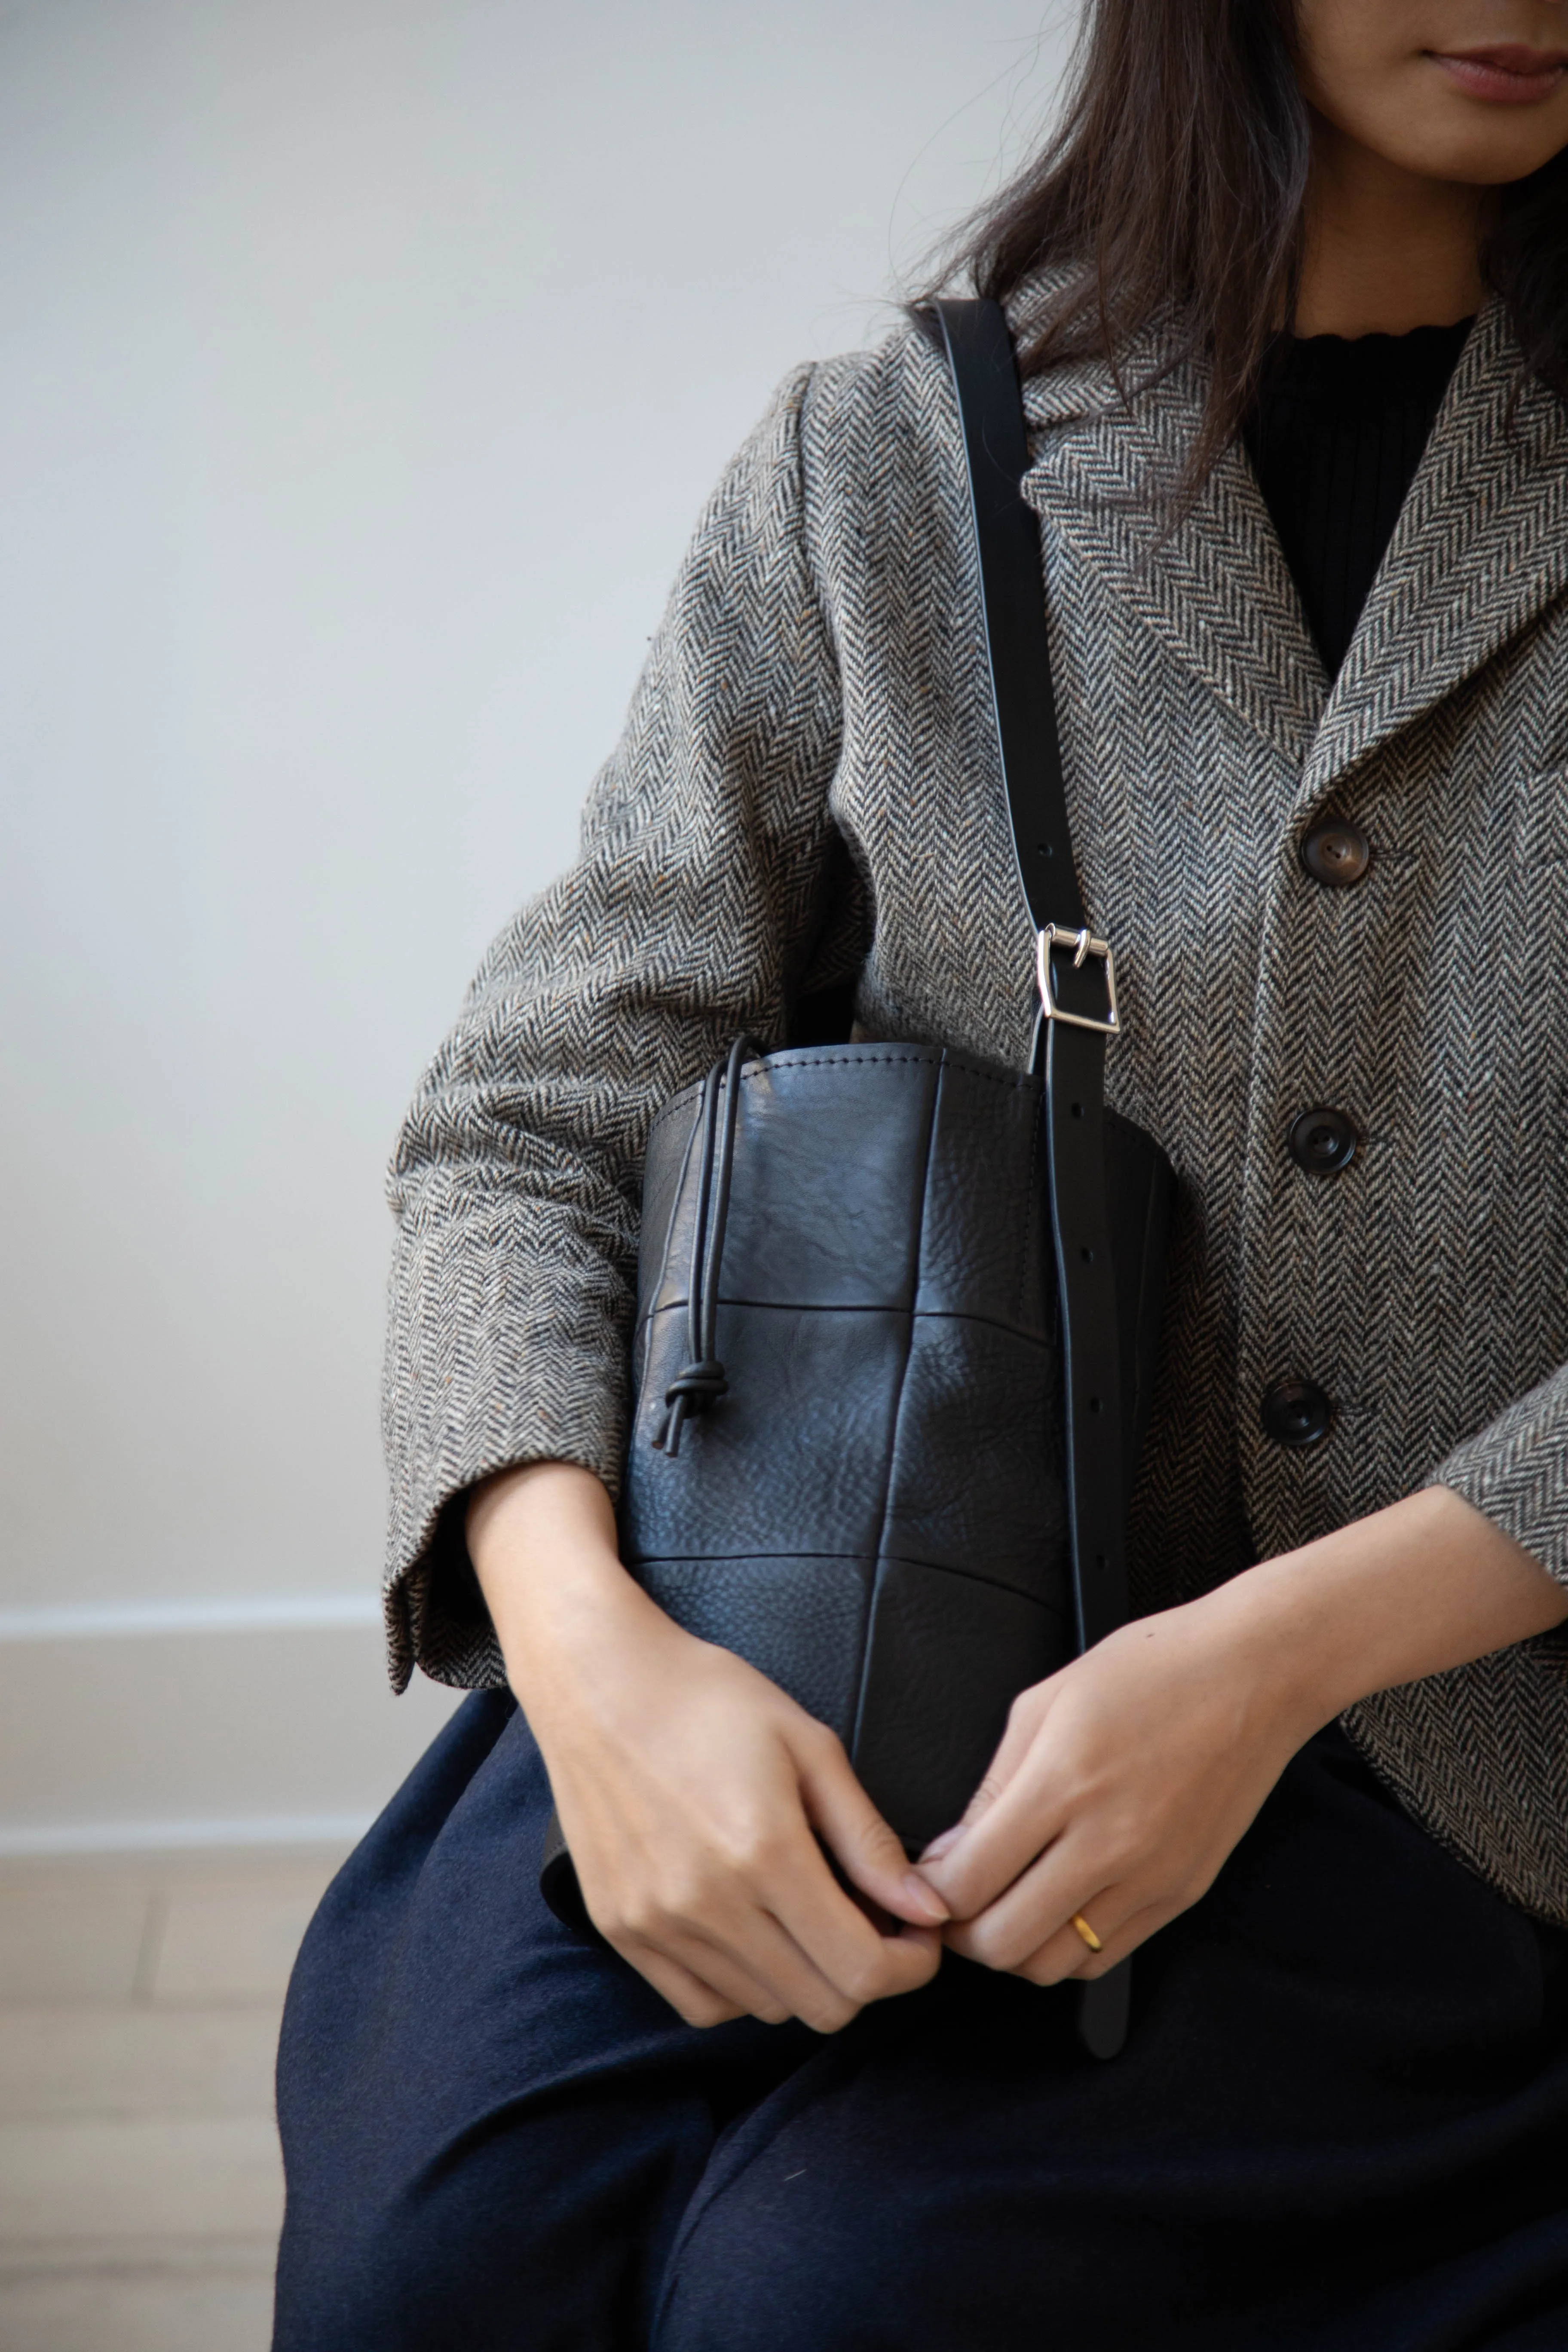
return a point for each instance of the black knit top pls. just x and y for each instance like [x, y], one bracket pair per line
[1335, 440]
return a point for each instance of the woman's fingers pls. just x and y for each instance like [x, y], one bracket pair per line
[1069, 1876]
[748, 1977]
[1030, 1929]
[747, 1957]
[747, 1967]
[870, 1853]
[1090, 1871]
[810, 1938]
[1065, 1955]
[752, 1909]
[693, 1999]
[855, 1959]
[994, 1849]
[824, 1989]
[1024, 1721]
[1059, 1960]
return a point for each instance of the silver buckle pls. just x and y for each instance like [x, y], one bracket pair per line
[1083, 947]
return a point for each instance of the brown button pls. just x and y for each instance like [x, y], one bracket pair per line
[1336, 853]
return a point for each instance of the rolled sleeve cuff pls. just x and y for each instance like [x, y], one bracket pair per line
[1515, 1472]
[511, 1346]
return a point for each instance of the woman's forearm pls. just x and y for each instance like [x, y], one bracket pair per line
[1423, 1586]
[542, 1542]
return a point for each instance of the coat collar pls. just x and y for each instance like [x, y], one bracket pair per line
[1216, 589]
[1480, 546]
[1480, 549]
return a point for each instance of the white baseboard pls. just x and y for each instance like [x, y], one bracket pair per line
[249, 1612]
[282, 1829]
[174, 1726]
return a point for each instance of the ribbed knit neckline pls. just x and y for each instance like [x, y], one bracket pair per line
[1335, 439]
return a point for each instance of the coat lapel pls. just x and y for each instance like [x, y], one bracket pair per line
[1216, 589]
[1480, 547]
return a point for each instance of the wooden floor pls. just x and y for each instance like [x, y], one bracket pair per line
[140, 2183]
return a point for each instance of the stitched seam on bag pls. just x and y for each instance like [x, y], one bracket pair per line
[1035, 1134]
[849, 1306]
[853, 1059]
[903, 1385]
[894, 1558]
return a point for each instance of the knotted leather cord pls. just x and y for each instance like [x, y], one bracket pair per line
[702, 1381]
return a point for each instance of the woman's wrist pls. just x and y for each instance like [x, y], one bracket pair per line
[1423, 1586]
[542, 1542]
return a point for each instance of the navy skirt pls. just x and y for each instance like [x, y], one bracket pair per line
[1340, 2123]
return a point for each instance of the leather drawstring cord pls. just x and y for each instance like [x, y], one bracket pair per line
[702, 1381]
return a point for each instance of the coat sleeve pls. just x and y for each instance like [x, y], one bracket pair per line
[707, 888]
[1515, 1470]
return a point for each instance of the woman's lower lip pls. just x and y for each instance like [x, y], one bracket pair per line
[1479, 79]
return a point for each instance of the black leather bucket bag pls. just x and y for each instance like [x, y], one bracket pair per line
[848, 1461]
[897, 1306]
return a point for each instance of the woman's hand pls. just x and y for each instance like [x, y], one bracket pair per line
[1122, 1783]
[692, 1792]
[1120, 1787]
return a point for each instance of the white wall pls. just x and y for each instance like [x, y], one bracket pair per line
[364, 362]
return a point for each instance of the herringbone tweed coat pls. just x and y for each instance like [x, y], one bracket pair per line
[808, 788]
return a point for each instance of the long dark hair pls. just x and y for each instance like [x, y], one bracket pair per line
[1173, 186]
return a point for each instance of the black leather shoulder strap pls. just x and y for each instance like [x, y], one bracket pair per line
[990, 411]
[985, 373]
[1077, 993]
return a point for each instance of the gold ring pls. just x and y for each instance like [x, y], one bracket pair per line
[1087, 1932]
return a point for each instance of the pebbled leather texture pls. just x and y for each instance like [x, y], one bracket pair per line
[874, 1513]
[945, 1655]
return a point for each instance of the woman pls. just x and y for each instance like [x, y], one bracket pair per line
[1305, 533]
